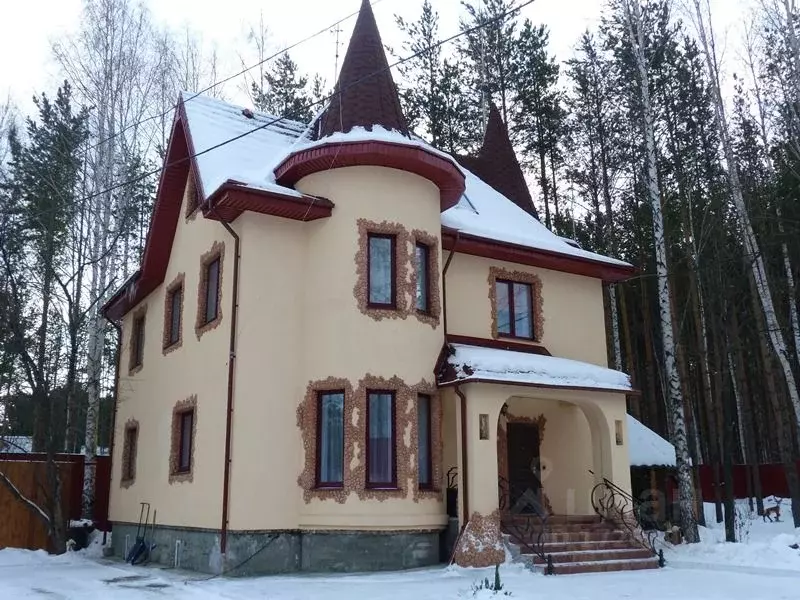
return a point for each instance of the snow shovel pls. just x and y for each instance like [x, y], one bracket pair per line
[139, 547]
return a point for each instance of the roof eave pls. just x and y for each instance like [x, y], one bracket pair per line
[547, 386]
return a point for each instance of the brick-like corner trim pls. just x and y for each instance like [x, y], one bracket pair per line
[217, 250]
[307, 423]
[431, 391]
[404, 291]
[405, 456]
[433, 315]
[535, 282]
[191, 196]
[139, 313]
[124, 481]
[177, 283]
[481, 543]
[182, 406]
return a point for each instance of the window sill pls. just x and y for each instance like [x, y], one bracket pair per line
[323, 487]
[382, 488]
[371, 306]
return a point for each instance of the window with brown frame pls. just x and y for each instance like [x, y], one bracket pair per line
[424, 446]
[186, 429]
[137, 342]
[211, 291]
[381, 460]
[514, 309]
[381, 271]
[422, 264]
[330, 439]
[129, 453]
[173, 316]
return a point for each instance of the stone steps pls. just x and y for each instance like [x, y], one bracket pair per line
[578, 545]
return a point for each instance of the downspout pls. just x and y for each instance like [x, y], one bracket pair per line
[444, 283]
[226, 477]
[464, 462]
[118, 327]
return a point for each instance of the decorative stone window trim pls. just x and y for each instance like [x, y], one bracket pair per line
[531, 279]
[128, 476]
[404, 292]
[176, 284]
[434, 492]
[433, 314]
[138, 314]
[307, 422]
[181, 407]
[201, 327]
[192, 196]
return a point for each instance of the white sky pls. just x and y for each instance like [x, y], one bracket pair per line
[27, 28]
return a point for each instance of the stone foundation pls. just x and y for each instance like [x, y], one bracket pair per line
[290, 552]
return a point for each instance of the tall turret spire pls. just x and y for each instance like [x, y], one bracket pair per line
[365, 94]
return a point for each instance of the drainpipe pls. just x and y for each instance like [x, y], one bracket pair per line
[223, 541]
[464, 462]
[444, 283]
[114, 412]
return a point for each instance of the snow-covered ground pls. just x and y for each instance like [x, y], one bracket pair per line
[763, 567]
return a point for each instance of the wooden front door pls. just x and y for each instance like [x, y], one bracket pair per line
[524, 481]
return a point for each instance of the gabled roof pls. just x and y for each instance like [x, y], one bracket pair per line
[497, 164]
[365, 93]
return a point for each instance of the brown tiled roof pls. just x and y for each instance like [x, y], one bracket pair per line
[368, 95]
[498, 166]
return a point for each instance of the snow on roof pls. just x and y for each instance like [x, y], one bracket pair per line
[485, 212]
[507, 366]
[249, 159]
[647, 448]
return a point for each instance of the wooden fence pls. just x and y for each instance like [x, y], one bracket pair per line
[19, 527]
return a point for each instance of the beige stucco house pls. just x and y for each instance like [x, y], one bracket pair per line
[336, 326]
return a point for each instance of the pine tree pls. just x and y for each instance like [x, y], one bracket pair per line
[284, 91]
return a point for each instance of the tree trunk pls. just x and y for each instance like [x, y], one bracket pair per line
[673, 384]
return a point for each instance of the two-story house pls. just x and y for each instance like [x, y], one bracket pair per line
[333, 322]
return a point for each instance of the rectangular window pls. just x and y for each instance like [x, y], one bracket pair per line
[186, 424]
[514, 309]
[381, 270]
[330, 436]
[174, 324]
[381, 464]
[422, 256]
[137, 347]
[129, 468]
[212, 290]
[424, 442]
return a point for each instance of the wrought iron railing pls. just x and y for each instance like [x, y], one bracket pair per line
[618, 507]
[525, 519]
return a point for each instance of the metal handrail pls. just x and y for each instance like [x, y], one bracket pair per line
[531, 530]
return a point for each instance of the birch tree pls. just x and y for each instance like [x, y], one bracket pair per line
[752, 250]
[633, 17]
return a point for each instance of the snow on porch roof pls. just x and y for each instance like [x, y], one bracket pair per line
[646, 448]
[474, 363]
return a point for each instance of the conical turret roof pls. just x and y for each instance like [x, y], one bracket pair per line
[365, 94]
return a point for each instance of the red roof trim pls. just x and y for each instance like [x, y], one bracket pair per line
[234, 198]
[546, 386]
[534, 257]
[442, 172]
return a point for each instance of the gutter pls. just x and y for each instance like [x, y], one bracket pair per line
[226, 477]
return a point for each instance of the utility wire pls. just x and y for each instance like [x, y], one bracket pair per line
[229, 78]
[309, 105]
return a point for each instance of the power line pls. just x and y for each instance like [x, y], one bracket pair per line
[230, 77]
[309, 105]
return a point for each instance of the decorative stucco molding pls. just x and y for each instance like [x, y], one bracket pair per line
[307, 423]
[433, 316]
[180, 407]
[176, 284]
[481, 543]
[200, 326]
[128, 476]
[404, 292]
[535, 282]
[139, 313]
